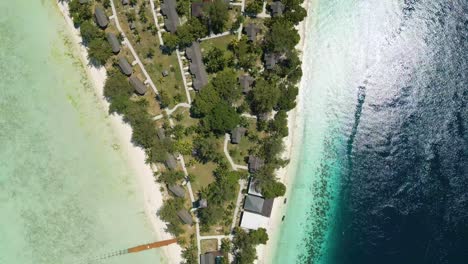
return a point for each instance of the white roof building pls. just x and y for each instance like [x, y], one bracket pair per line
[253, 221]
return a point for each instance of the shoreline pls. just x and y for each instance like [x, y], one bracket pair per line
[153, 198]
[287, 175]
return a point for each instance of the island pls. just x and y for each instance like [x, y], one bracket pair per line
[207, 87]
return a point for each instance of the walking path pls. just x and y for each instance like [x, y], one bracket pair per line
[181, 66]
[155, 16]
[129, 45]
[239, 32]
[212, 36]
[168, 111]
[234, 166]
[264, 13]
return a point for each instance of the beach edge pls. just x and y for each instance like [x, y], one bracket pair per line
[153, 198]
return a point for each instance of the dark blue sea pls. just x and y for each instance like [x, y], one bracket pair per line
[391, 131]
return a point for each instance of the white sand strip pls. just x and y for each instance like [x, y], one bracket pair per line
[151, 190]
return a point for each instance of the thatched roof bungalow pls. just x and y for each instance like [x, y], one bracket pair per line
[125, 67]
[185, 216]
[101, 18]
[177, 190]
[171, 21]
[114, 42]
[197, 68]
[138, 85]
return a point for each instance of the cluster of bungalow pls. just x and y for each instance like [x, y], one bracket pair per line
[102, 21]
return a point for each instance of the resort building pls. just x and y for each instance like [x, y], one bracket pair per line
[197, 9]
[114, 42]
[246, 81]
[213, 257]
[185, 217]
[171, 21]
[197, 68]
[177, 190]
[161, 133]
[101, 18]
[237, 134]
[201, 203]
[277, 8]
[255, 163]
[257, 209]
[125, 67]
[251, 30]
[171, 162]
[270, 61]
[138, 85]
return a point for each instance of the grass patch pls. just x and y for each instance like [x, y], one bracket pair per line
[208, 245]
[203, 173]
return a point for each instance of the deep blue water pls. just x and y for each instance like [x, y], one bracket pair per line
[382, 168]
[404, 186]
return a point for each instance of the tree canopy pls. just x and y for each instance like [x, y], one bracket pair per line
[265, 95]
[282, 36]
[217, 15]
[215, 60]
[221, 119]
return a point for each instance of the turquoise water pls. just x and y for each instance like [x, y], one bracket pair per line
[328, 71]
[382, 166]
[66, 192]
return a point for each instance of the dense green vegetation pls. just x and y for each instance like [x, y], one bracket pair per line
[215, 110]
[244, 244]
[99, 50]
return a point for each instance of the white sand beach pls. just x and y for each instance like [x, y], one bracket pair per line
[144, 173]
[292, 145]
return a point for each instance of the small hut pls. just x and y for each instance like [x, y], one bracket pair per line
[185, 216]
[177, 190]
[165, 73]
[161, 133]
[252, 30]
[114, 42]
[83, 1]
[246, 81]
[270, 61]
[125, 67]
[138, 85]
[255, 163]
[202, 203]
[125, 2]
[101, 18]
[277, 8]
[236, 134]
[171, 162]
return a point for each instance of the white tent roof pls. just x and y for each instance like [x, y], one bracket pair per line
[253, 221]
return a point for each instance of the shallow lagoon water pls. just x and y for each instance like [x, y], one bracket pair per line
[67, 194]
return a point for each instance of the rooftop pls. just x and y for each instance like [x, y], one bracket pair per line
[125, 67]
[251, 30]
[101, 18]
[255, 163]
[185, 216]
[177, 190]
[168, 8]
[277, 8]
[246, 82]
[138, 85]
[114, 42]
[253, 221]
[197, 68]
[236, 134]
